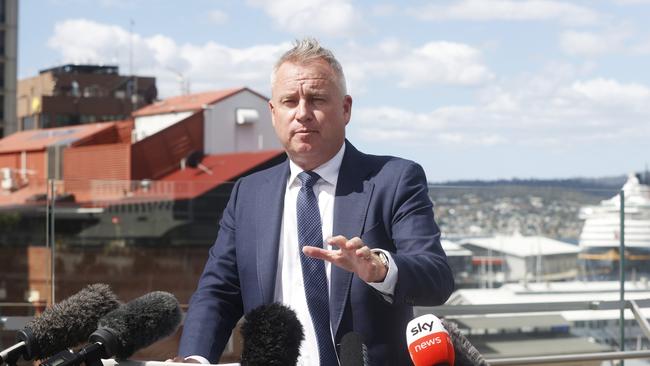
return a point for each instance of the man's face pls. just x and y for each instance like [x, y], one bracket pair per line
[309, 112]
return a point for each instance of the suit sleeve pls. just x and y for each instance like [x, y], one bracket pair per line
[216, 306]
[424, 276]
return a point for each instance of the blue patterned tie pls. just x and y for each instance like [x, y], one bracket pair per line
[310, 232]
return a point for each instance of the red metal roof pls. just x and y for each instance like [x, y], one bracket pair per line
[222, 168]
[192, 102]
[190, 183]
[182, 184]
[32, 140]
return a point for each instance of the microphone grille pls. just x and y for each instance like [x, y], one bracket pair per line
[142, 321]
[69, 322]
[353, 350]
[272, 335]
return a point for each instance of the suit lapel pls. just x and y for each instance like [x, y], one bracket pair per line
[269, 208]
[351, 201]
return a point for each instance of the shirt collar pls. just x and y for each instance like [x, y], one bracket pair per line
[328, 171]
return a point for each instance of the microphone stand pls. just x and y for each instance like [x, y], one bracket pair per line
[12, 354]
[104, 346]
[90, 355]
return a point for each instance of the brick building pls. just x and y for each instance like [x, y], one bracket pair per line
[77, 94]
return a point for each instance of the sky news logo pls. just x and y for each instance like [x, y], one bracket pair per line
[430, 341]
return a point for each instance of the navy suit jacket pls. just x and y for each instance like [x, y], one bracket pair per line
[381, 199]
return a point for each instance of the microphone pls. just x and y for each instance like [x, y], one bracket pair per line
[272, 335]
[466, 354]
[353, 351]
[120, 333]
[428, 342]
[63, 325]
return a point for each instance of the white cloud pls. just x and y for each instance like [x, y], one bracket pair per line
[513, 10]
[433, 63]
[81, 40]
[442, 62]
[591, 43]
[384, 10]
[612, 92]
[642, 48]
[632, 2]
[212, 65]
[312, 17]
[548, 110]
[218, 17]
[205, 66]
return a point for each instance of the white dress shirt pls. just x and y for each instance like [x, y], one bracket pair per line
[289, 284]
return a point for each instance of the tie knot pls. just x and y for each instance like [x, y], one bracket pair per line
[308, 178]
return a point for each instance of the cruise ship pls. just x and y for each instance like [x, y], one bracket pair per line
[601, 234]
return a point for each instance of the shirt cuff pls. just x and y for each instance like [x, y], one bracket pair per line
[387, 286]
[201, 359]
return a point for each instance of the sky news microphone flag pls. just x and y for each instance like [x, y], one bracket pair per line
[428, 342]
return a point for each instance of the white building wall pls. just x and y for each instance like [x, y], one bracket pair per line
[148, 125]
[224, 135]
[517, 266]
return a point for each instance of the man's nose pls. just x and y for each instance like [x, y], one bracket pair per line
[303, 112]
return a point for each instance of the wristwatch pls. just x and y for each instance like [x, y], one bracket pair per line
[382, 257]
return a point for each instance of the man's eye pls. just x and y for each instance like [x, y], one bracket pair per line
[288, 102]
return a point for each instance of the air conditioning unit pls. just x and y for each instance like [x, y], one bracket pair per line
[246, 116]
[8, 179]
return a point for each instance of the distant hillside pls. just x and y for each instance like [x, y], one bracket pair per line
[607, 183]
[547, 207]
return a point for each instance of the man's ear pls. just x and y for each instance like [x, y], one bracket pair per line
[347, 108]
[272, 109]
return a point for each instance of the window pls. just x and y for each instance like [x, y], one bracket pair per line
[67, 119]
[87, 118]
[46, 121]
[28, 123]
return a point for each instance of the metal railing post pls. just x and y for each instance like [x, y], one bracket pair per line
[622, 272]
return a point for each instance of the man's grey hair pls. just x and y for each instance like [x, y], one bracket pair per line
[308, 50]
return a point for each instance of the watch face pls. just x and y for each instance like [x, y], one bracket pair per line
[383, 257]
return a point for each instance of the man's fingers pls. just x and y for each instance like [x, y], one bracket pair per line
[318, 253]
[354, 243]
[180, 359]
[363, 252]
[337, 241]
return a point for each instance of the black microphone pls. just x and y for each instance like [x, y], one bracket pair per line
[120, 333]
[65, 324]
[353, 351]
[466, 353]
[272, 335]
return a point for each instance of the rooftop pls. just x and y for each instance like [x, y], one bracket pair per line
[34, 140]
[193, 102]
[523, 246]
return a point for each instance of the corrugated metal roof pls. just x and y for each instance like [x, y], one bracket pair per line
[219, 169]
[453, 249]
[32, 140]
[192, 102]
[182, 184]
[523, 246]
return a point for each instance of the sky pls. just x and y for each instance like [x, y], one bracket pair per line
[470, 89]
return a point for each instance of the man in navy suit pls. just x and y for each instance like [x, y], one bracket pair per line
[380, 254]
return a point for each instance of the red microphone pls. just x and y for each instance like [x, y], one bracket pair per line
[429, 342]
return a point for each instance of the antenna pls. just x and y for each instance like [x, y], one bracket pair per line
[134, 79]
